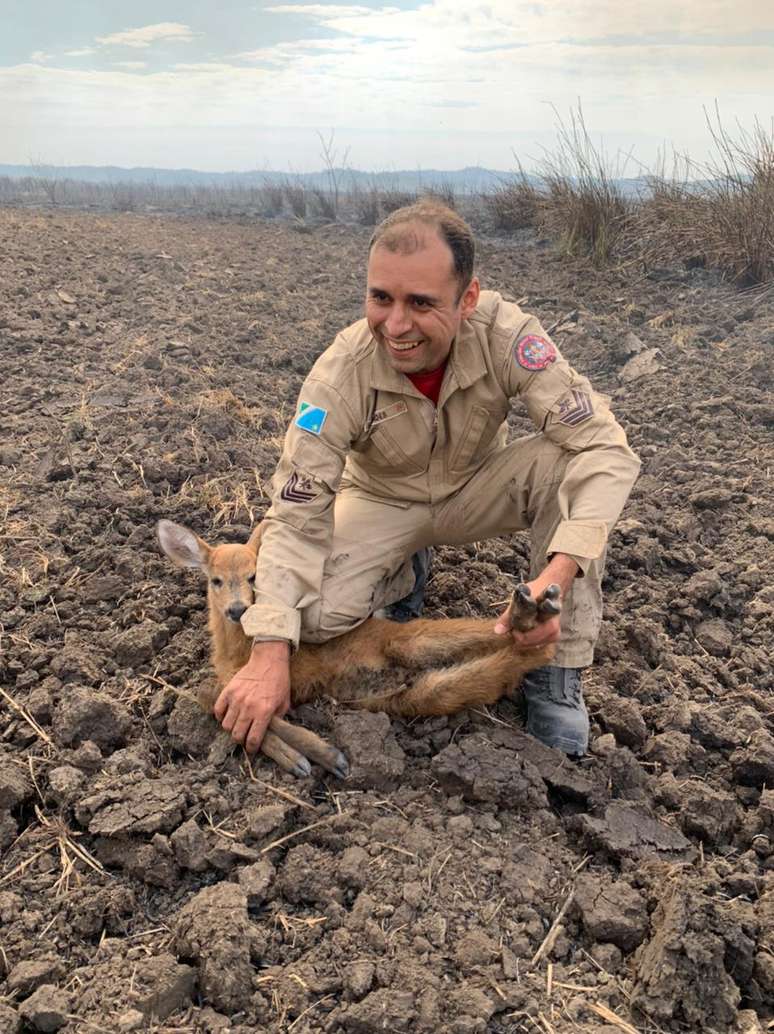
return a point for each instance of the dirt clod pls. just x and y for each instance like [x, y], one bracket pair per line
[681, 972]
[84, 714]
[375, 759]
[625, 832]
[46, 1009]
[214, 932]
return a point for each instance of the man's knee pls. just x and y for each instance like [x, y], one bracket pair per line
[319, 625]
[346, 603]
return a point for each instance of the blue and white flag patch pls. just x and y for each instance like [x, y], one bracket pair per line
[311, 418]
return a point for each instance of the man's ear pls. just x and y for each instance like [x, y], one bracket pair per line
[469, 299]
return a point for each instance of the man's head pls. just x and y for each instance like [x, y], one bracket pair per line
[420, 284]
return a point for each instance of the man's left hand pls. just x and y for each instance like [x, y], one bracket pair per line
[561, 570]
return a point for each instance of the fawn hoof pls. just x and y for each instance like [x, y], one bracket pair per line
[302, 768]
[340, 766]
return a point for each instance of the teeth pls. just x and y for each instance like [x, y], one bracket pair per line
[402, 346]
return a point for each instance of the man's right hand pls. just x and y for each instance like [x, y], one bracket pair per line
[257, 693]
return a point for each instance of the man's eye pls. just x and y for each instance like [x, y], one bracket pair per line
[216, 582]
[422, 303]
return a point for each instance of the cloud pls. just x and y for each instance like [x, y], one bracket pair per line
[39, 56]
[325, 12]
[130, 64]
[148, 34]
[80, 53]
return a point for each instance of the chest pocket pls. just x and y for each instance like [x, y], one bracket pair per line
[478, 432]
[381, 451]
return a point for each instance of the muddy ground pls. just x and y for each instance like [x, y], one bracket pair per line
[464, 879]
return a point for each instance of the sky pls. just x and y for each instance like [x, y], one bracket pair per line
[444, 84]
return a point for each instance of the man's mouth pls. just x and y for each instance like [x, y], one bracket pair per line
[402, 346]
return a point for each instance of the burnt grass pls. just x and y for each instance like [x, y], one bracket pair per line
[151, 878]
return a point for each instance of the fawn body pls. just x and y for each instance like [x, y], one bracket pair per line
[424, 667]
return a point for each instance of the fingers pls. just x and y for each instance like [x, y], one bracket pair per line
[246, 706]
[221, 704]
[548, 631]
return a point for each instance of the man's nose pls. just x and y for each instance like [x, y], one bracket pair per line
[398, 321]
[235, 611]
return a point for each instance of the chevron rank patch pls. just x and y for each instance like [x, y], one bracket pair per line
[311, 418]
[575, 408]
[299, 489]
[535, 353]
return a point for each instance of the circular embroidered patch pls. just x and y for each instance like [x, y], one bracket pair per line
[535, 353]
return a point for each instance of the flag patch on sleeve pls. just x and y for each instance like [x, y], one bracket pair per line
[311, 418]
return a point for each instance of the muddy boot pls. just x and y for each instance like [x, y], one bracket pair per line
[411, 606]
[556, 713]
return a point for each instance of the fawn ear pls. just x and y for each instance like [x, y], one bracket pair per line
[254, 542]
[182, 546]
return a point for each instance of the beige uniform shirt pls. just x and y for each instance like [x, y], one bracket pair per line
[359, 419]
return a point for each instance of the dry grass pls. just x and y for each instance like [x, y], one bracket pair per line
[583, 206]
[514, 205]
[719, 213]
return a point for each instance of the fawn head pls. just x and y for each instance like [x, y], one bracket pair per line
[230, 568]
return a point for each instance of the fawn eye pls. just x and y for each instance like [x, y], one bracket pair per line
[251, 579]
[216, 582]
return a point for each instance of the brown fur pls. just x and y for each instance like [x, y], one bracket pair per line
[424, 667]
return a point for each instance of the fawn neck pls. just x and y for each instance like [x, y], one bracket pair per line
[230, 646]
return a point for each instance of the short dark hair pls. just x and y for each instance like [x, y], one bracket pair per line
[395, 234]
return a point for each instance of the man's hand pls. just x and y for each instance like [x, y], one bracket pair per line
[257, 693]
[560, 570]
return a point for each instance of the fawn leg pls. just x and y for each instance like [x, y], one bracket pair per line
[418, 644]
[311, 746]
[473, 683]
[287, 757]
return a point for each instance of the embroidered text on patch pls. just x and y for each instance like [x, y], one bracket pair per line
[311, 418]
[396, 409]
[535, 353]
[575, 408]
[299, 489]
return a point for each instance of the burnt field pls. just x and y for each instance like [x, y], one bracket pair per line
[464, 878]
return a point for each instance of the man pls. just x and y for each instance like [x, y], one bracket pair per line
[399, 443]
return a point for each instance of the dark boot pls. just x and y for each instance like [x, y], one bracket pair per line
[556, 713]
[411, 606]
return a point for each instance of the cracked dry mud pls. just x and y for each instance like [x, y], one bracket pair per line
[150, 880]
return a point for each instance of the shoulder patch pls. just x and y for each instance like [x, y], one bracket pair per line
[535, 353]
[575, 408]
[311, 418]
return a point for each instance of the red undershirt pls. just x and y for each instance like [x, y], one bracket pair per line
[429, 383]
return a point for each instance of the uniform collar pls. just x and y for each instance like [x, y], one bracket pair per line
[465, 366]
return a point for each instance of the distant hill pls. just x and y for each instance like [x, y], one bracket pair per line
[471, 180]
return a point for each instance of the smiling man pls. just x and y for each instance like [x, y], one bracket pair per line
[399, 443]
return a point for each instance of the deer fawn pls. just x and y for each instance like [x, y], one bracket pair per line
[425, 667]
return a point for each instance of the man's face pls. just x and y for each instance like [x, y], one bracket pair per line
[412, 306]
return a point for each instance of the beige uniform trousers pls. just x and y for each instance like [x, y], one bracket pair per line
[373, 540]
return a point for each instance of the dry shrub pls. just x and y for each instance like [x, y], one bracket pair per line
[443, 192]
[583, 205]
[392, 200]
[272, 197]
[719, 213]
[295, 194]
[514, 205]
[325, 204]
[365, 203]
